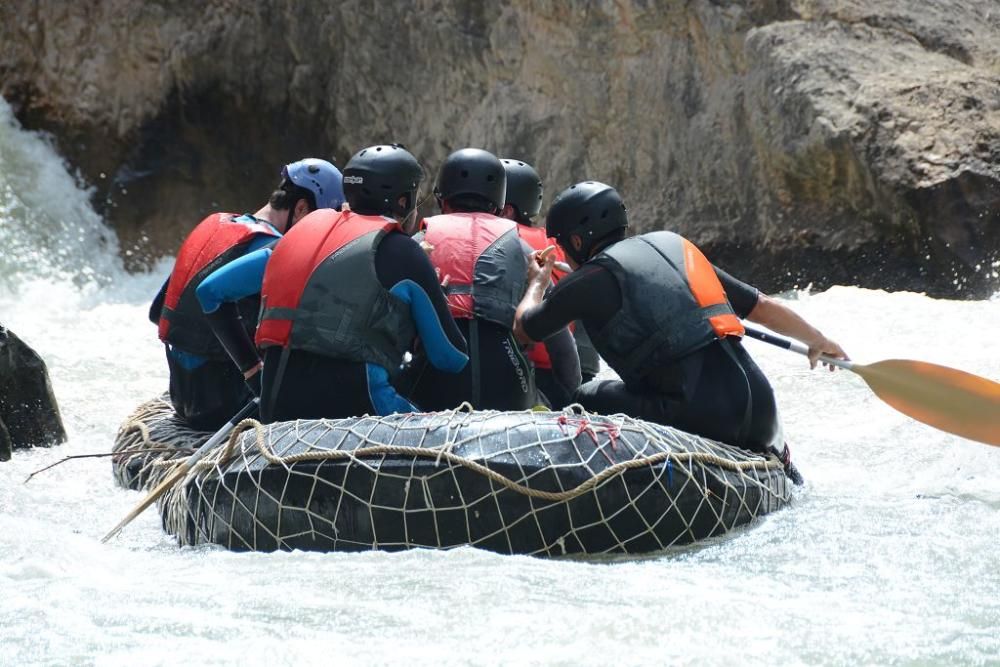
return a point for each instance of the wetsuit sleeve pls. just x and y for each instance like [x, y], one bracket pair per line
[156, 308]
[399, 258]
[589, 293]
[218, 295]
[441, 353]
[565, 359]
[228, 328]
[239, 278]
[742, 297]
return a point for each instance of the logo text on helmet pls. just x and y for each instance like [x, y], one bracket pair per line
[354, 180]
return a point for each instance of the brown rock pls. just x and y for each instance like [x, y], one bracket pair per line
[823, 141]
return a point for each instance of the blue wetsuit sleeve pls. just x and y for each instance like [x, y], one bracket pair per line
[400, 258]
[440, 350]
[238, 279]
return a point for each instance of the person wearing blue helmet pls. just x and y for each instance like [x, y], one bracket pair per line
[205, 389]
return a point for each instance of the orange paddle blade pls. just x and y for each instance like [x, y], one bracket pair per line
[948, 399]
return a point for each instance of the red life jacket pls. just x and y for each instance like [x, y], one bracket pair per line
[321, 293]
[482, 257]
[536, 238]
[216, 241]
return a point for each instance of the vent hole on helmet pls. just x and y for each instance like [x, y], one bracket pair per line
[604, 214]
[584, 219]
[489, 178]
[378, 149]
[465, 173]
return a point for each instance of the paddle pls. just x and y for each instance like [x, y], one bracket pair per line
[947, 399]
[184, 467]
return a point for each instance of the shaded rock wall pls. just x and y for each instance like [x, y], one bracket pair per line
[823, 141]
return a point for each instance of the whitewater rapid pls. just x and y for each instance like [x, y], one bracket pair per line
[889, 554]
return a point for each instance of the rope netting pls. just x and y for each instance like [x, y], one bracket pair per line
[512, 482]
[149, 442]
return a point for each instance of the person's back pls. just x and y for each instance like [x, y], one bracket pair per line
[664, 318]
[482, 265]
[674, 342]
[205, 388]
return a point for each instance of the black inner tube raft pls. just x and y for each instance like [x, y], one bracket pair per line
[538, 483]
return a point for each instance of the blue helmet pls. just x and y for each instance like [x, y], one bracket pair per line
[319, 177]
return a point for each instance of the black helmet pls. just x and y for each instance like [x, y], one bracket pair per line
[377, 176]
[472, 173]
[524, 189]
[588, 211]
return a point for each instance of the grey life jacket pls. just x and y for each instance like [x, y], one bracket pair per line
[672, 304]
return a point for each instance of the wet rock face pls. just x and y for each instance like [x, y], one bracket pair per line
[29, 416]
[798, 141]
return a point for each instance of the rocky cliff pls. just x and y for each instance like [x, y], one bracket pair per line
[799, 141]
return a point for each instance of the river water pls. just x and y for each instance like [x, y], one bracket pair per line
[889, 554]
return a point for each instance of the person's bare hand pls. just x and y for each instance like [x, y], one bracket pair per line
[826, 347]
[540, 266]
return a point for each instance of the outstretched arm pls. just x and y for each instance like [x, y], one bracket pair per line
[780, 318]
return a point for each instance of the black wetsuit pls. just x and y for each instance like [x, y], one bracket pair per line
[507, 378]
[558, 384]
[704, 392]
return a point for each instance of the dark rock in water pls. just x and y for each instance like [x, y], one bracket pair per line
[29, 416]
[6, 446]
[798, 141]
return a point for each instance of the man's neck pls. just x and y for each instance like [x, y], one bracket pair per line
[276, 218]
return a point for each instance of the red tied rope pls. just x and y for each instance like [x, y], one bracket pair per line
[584, 425]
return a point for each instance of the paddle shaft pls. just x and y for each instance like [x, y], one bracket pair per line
[948, 399]
[794, 346]
[182, 469]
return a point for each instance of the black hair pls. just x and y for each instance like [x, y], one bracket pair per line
[471, 203]
[288, 195]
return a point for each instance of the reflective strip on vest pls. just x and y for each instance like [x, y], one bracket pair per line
[321, 293]
[216, 241]
[482, 257]
[672, 304]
